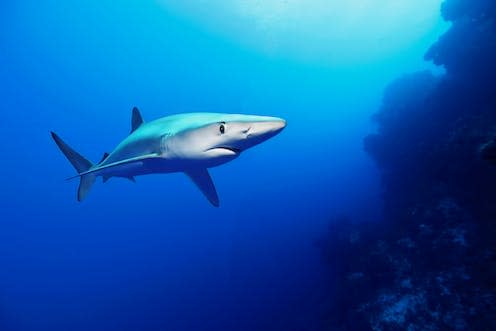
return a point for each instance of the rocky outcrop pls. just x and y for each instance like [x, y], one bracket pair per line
[431, 263]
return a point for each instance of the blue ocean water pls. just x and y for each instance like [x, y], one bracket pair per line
[155, 255]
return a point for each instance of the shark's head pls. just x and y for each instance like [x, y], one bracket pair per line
[214, 139]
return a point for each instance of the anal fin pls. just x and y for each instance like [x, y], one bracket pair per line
[106, 178]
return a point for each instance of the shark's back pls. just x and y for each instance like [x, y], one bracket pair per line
[147, 138]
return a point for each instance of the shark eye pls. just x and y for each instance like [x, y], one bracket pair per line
[222, 128]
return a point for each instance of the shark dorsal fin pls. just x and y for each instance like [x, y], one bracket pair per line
[105, 155]
[202, 179]
[136, 119]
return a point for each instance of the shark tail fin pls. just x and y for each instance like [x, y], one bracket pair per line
[80, 163]
[85, 184]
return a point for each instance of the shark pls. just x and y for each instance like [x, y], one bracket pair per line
[190, 143]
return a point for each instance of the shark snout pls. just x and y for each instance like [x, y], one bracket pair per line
[270, 128]
[259, 132]
[279, 125]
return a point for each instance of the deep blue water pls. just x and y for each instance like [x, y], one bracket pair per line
[155, 255]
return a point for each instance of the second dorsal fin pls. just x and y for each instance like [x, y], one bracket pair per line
[105, 155]
[136, 119]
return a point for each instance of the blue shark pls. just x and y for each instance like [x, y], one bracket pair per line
[190, 143]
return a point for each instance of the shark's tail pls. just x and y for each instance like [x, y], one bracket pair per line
[80, 164]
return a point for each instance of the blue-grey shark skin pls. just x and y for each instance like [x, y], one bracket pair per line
[189, 143]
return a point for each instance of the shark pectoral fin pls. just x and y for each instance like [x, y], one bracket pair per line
[136, 119]
[202, 179]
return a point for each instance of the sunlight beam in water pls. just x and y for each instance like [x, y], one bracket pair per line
[338, 32]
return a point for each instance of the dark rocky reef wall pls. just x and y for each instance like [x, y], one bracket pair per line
[431, 263]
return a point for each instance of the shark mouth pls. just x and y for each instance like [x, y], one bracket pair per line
[231, 149]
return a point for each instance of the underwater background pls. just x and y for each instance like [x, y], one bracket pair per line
[373, 210]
